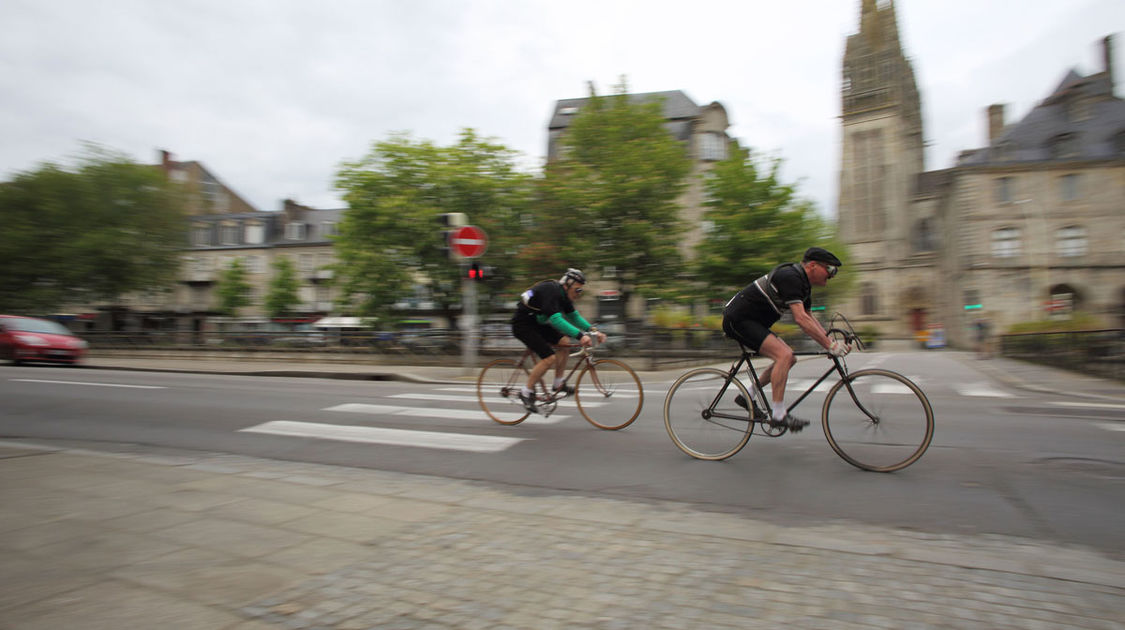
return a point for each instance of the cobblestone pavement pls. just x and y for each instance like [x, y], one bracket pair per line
[149, 538]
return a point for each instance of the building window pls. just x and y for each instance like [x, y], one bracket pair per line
[295, 231]
[305, 263]
[255, 233]
[868, 300]
[329, 228]
[712, 146]
[1006, 242]
[201, 235]
[228, 233]
[924, 238]
[254, 264]
[1002, 190]
[1070, 187]
[1062, 146]
[1071, 241]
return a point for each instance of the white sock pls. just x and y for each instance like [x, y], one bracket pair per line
[778, 410]
[525, 390]
[559, 382]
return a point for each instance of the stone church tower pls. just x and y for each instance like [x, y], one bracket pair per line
[890, 248]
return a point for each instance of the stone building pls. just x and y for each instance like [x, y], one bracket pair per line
[1028, 227]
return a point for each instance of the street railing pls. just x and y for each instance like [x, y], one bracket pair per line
[1095, 352]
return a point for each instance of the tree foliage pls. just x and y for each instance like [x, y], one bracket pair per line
[88, 234]
[390, 237]
[281, 295]
[755, 223]
[233, 289]
[610, 199]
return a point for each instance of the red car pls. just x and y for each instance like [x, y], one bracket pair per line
[31, 339]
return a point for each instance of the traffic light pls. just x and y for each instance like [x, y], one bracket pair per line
[451, 221]
[476, 272]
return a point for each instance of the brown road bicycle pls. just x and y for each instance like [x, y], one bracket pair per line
[607, 392]
[874, 419]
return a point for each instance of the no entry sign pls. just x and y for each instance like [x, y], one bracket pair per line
[468, 241]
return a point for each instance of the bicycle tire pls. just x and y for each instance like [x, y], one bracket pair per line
[614, 397]
[899, 432]
[498, 389]
[697, 431]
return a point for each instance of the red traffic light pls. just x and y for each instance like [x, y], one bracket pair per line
[476, 272]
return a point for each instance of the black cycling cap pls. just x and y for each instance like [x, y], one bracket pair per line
[819, 254]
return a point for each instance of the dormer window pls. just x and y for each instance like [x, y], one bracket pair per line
[228, 233]
[295, 231]
[1063, 146]
[255, 233]
[712, 146]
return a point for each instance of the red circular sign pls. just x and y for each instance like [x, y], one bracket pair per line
[468, 241]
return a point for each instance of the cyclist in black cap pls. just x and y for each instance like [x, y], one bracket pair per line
[545, 314]
[748, 316]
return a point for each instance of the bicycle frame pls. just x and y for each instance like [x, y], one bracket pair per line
[836, 367]
[583, 356]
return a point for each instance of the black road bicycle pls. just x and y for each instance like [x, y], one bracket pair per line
[874, 419]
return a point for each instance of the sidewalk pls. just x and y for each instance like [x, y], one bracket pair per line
[152, 538]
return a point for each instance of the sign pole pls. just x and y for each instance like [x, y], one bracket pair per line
[469, 327]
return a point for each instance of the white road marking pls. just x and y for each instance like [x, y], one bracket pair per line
[391, 437]
[435, 412]
[980, 389]
[1090, 405]
[1112, 427]
[36, 380]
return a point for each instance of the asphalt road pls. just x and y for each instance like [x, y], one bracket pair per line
[1004, 461]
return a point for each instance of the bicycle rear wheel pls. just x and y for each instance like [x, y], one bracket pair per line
[609, 394]
[878, 420]
[701, 423]
[498, 388]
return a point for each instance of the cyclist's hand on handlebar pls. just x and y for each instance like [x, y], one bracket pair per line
[585, 341]
[600, 335]
[839, 348]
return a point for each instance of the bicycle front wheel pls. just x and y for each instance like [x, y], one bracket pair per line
[878, 420]
[498, 388]
[609, 394]
[703, 423]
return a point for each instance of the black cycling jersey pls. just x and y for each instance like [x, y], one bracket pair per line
[765, 299]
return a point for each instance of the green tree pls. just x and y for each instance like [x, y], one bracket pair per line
[756, 222]
[281, 296]
[611, 199]
[233, 289]
[390, 237]
[90, 234]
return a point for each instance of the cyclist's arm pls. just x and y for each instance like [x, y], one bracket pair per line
[809, 324]
[579, 322]
[561, 324]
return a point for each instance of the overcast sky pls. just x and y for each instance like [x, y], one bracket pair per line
[271, 95]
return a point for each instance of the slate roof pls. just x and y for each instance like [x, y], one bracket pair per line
[1097, 134]
[677, 106]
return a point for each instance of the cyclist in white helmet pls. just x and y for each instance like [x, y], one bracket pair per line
[544, 315]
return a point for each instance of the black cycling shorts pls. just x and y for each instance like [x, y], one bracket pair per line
[540, 338]
[748, 332]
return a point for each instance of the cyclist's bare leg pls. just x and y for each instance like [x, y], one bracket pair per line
[783, 359]
[561, 356]
[540, 369]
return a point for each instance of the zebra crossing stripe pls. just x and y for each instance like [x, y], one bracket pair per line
[389, 437]
[438, 413]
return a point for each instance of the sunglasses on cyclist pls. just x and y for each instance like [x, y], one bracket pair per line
[831, 269]
[578, 290]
